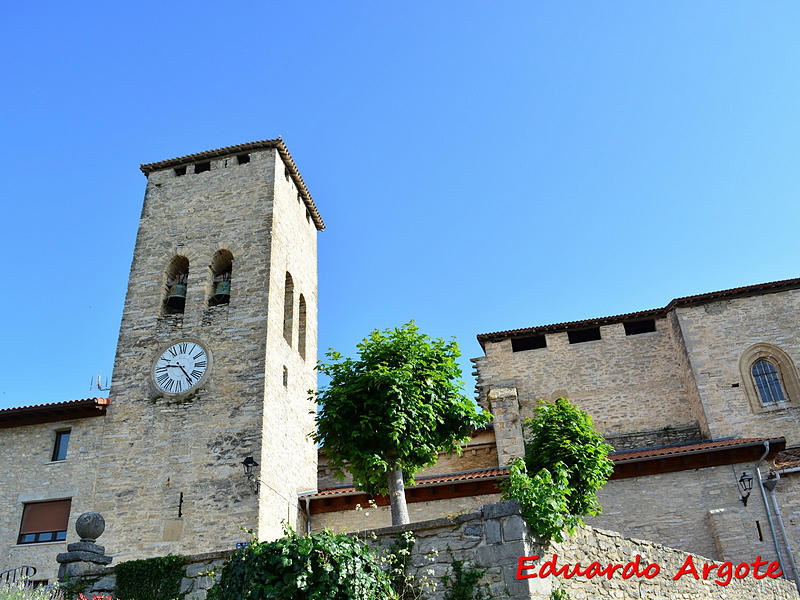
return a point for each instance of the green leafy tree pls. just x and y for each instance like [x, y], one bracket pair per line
[566, 463]
[390, 412]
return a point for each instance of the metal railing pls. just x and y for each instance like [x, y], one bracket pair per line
[24, 572]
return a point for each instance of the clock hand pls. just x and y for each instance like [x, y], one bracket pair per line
[189, 379]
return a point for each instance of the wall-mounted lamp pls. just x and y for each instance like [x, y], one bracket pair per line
[249, 464]
[745, 485]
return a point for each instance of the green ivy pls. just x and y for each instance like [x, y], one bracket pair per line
[151, 578]
[322, 566]
[462, 583]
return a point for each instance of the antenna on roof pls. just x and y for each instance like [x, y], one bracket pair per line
[98, 385]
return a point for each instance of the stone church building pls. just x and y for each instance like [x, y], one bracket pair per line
[205, 428]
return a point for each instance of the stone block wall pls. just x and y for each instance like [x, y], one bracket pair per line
[627, 383]
[606, 547]
[29, 475]
[369, 518]
[716, 336]
[198, 576]
[494, 538]
[480, 453]
[677, 509]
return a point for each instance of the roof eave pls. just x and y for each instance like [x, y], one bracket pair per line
[276, 143]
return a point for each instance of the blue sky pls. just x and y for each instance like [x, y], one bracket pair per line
[479, 166]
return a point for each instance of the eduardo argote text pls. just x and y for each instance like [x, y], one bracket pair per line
[722, 573]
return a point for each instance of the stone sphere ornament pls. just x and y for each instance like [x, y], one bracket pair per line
[90, 526]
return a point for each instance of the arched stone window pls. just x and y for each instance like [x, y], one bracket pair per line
[301, 317]
[768, 382]
[177, 277]
[769, 377]
[221, 269]
[288, 308]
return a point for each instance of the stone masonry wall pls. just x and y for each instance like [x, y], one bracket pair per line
[682, 510]
[480, 453]
[493, 538]
[198, 579]
[29, 475]
[606, 547]
[627, 383]
[716, 336]
[288, 455]
[370, 518]
[157, 447]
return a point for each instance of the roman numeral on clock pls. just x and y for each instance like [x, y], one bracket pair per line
[197, 374]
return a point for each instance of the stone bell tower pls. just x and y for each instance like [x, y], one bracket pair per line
[215, 357]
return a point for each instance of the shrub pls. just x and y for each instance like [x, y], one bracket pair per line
[151, 578]
[566, 463]
[322, 566]
[21, 590]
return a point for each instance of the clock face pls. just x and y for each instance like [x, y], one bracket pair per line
[180, 367]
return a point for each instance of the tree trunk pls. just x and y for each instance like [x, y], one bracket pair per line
[397, 496]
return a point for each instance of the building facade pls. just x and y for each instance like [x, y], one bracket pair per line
[704, 383]
[216, 354]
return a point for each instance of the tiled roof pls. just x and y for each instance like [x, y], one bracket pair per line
[680, 457]
[277, 143]
[482, 474]
[633, 455]
[788, 459]
[740, 292]
[53, 411]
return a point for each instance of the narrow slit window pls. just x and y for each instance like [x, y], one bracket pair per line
[202, 167]
[583, 335]
[637, 327]
[768, 382]
[301, 334]
[285, 377]
[288, 309]
[60, 447]
[531, 342]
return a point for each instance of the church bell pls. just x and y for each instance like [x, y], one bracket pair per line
[177, 296]
[223, 292]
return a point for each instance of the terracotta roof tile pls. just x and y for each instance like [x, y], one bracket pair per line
[632, 455]
[65, 403]
[276, 143]
[788, 459]
[54, 411]
[739, 292]
[431, 480]
[620, 458]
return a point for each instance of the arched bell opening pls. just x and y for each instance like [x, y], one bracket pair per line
[177, 277]
[221, 269]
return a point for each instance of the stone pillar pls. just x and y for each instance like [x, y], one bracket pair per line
[504, 405]
[84, 560]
